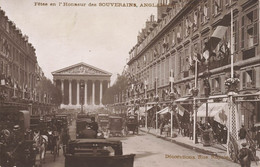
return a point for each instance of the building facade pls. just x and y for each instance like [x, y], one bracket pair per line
[169, 46]
[81, 84]
[19, 70]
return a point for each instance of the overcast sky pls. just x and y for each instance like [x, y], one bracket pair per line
[64, 36]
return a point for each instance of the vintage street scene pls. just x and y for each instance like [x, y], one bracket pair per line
[140, 83]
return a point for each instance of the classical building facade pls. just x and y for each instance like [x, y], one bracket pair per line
[81, 84]
[169, 45]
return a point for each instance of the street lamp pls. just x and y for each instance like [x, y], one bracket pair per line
[81, 99]
[206, 81]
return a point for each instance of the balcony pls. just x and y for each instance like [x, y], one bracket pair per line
[185, 74]
[216, 89]
[250, 85]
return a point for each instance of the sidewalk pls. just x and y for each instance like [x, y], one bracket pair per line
[216, 150]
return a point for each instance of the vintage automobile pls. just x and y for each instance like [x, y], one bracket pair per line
[131, 124]
[115, 126]
[20, 152]
[97, 153]
[103, 121]
[81, 123]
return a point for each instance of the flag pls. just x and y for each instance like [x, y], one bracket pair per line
[218, 33]
[171, 78]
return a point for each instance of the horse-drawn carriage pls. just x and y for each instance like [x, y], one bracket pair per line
[132, 124]
[45, 136]
[16, 146]
[97, 153]
[61, 121]
[115, 126]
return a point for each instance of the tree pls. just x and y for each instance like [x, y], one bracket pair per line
[116, 90]
[45, 86]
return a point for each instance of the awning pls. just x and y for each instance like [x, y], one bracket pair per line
[181, 99]
[131, 111]
[164, 111]
[143, 109]
[219, 111]
[181, 109]
[218, 96]
[151, 103]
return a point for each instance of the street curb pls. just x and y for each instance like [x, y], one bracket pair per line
[199, 150]
[196, 149]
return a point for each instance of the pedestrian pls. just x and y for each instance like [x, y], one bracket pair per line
[162, 126]
[245, 156]
[88, 133]
[94, 125]
[258, 138]
[242, 133]
[65, 138]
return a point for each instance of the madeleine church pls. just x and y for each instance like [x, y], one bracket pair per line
[81, 84]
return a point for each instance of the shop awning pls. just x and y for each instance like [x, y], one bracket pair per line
[219, 111]
[181, 109]
[164, 111]
[143, 109]
[131, 111]
[218, 96]
[182, 99]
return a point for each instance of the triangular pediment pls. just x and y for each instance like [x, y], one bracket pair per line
[81, 69]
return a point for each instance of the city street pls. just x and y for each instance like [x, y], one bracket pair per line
[154, 152]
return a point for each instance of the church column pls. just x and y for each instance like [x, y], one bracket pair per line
[77, 92]
[70, 92]
[62, 90]
[86, 93]
[101, 92]
[93, 92]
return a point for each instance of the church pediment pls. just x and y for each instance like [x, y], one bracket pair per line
[81, 69]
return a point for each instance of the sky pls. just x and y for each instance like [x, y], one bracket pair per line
[67, 35]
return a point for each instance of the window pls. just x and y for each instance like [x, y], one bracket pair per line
[205, 13]
[216, 7]
[179, 33]
[249, 30]
[216, 84]
[162, 72]
[195, 20]
[249, 79]
[187, 26]
[235, 34]
[173, 37]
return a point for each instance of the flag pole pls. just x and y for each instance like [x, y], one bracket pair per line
[232, 73]
[232, 46]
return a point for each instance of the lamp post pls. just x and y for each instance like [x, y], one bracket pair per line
[156, 100]
[172, 97]
[81, 98]
[206, 55]
[195, 94]
[145, 103]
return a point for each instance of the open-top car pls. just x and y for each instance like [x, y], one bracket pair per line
[97, 153]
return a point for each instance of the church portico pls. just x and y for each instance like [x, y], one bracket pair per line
[81, 84]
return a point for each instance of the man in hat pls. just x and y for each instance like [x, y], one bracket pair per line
[88, 133]
[18, 135]
[94, 125]
[245, 156]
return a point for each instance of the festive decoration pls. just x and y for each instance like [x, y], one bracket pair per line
[194, 91]
[232, 84]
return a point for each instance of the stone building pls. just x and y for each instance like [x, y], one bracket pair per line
[19, 71]
[171, 44]
[81, 84]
